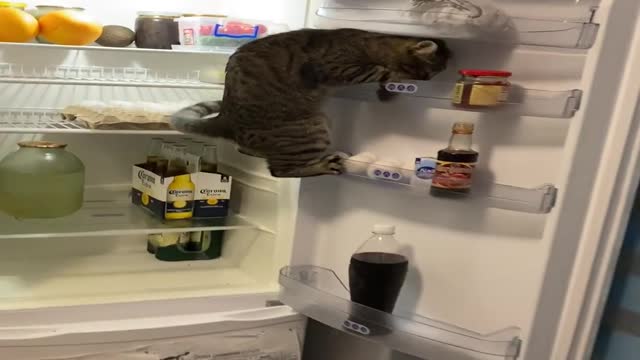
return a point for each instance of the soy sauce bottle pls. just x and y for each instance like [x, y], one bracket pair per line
[377, 270]
[456, 163]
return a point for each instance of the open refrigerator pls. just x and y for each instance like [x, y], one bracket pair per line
[518, 269]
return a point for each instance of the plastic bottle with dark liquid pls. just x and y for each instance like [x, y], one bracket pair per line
[376, 274]
[456, 163]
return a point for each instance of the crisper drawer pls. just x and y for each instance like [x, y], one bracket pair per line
[274, 333]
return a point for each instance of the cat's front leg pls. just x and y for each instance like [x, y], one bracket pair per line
[385, 95]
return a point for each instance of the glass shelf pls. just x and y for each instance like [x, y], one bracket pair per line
[577, 32]
[181, 51]
[107, 211]
[319, 294]
[50, 121]
[521, 101]
[537, 201]
[102, 76]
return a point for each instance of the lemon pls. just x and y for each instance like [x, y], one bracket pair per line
[145, 199]
[212, 201]
[69, 27]
[179, 204]
[17, 25]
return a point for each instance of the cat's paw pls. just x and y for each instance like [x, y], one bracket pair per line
[385, 95]
[335, 162]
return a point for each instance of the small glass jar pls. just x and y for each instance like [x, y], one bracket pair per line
[156, 30]
[41, 180]
[481, 88]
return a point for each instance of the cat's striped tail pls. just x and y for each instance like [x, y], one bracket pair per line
[194, 119]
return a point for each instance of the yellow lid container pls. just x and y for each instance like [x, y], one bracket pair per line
[17, 5]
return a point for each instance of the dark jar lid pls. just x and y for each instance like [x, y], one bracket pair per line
[480, 73]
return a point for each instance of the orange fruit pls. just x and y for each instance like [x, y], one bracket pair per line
[69, 27]
[17, 25]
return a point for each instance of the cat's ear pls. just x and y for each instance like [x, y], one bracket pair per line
[424, 49]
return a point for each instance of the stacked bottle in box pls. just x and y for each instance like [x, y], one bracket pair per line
[180, 181]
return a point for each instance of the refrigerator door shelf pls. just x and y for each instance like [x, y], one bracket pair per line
[536, 201]
[107, 211]
[319, 294]
[521, 101]
[489, 26]
[102, 76]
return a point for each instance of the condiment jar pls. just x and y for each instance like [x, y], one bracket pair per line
[157, 30]
[481, 88]
[41, 180]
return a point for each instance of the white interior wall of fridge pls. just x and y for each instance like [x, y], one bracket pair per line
[50, 270]
[479, 268]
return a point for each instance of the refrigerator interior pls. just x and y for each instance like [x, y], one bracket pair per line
[98, 255]
[480, 263]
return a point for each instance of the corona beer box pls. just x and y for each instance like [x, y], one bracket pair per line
[197, 195]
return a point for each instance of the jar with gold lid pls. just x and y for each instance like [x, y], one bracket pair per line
[481, 88]
[41, 180]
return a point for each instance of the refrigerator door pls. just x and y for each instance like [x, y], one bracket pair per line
[482, 268]
[120, 332]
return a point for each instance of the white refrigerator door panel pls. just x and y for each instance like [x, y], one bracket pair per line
[254, 331]
[611, 199]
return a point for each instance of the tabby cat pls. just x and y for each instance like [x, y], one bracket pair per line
[276, 86]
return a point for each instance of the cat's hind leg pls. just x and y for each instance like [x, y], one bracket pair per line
[300, 148]
[249, 152]
[330, 164]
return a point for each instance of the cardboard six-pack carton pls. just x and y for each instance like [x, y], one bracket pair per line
[210, 199]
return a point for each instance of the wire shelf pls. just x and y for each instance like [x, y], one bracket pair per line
[181, 50]
[103, 76]
[50, 121]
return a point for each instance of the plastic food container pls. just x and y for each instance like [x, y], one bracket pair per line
[481, 88]
[156, 30]
[221, 32]
[41, 180]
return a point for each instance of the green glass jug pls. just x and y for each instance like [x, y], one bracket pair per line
[41, 180]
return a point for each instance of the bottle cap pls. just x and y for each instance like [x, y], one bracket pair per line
[479, 73]
[384, 229]
[462, 128]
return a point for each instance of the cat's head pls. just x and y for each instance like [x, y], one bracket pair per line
[424, 59]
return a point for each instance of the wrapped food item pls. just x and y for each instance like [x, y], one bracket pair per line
[122, 115]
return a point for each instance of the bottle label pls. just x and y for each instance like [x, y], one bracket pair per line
[457, 93]
[453, 175]
[179, 201]
[487, 95]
